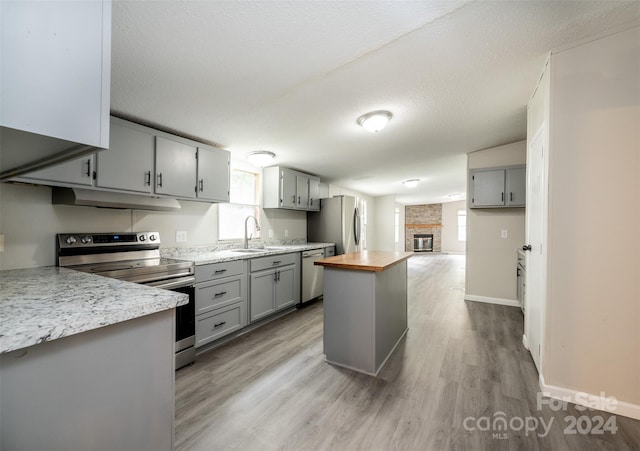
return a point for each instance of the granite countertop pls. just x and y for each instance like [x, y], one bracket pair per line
[365, 261]
[205, 256]
[44, 304]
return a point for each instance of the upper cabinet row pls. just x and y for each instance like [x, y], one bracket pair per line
[289, 189]
[145, 161]
[497, 187]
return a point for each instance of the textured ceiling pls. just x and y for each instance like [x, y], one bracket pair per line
[293, 77]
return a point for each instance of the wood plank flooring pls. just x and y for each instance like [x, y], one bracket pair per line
[271, 389]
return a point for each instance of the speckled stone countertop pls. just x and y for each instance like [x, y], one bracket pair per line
[207, 255]
[44, 304]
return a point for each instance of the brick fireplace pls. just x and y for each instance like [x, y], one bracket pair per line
[423, 220]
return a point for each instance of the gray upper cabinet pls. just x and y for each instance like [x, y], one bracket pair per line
[497, 187]
[128, 165]
[289, 189]
[176, 167]
[78, 173]
[46, 48]
[213, 174]
[516, 187]
[314, 194]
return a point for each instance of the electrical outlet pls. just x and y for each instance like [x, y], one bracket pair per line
[1, 242]
[286, 233]
[181, 236]
[270, 233]
[504, 233]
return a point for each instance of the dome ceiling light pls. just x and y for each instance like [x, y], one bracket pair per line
[261, 158]
[375, 121]
[411, 183]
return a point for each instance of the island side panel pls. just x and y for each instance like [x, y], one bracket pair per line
[390, 310]
[108, 388]
[349, 298]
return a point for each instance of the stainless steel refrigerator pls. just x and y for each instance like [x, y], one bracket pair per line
[338, 221]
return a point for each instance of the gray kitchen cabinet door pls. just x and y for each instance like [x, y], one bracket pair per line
[176, 168]
[261, 294]
[302, 192]
[285, 294]
[516, 187]
[56, 69]
[128, 165]
[78, 172]
[288, 186]
[314, 194]
[213, 174]
[487, 188]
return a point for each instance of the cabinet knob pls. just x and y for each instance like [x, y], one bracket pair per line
[526, 247]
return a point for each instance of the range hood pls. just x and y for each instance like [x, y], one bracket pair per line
[23, 152]
[106, 199]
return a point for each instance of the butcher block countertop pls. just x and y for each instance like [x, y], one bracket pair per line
[365, 261]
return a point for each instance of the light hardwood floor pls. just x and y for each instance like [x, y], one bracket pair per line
[271, 389]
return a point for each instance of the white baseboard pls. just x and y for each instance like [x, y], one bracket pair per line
[525, 342]
[626, 409]
[489, 300]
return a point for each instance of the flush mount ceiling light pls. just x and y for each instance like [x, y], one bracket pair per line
[411, 183]
[375, 121]
[261, 158]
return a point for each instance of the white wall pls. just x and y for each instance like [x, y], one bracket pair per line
[592, 338]
[384, 239]
[492, 260]
[450, 242]
[399, 246]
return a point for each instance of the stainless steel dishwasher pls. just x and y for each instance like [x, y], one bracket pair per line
[312, 276]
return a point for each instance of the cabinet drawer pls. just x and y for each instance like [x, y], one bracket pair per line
[219, 270]
[274, 261]
[220, 322]
[214, 295]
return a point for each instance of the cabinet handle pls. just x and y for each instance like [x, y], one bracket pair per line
[222, 293]
[147, 178]
[219, 271]
[510, 196]
[311, 202]
[160, 180]
[89, 167]
[219, 324]
[275, 276]
[502, 194]
[293, 198]
[201, 185]
[298, 200]
[276, 262]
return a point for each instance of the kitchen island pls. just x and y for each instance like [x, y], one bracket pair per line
[86, 362]
[365, 308]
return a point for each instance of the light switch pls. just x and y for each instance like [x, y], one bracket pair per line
[504, 233]
[181, 236]
[286, 233]
[270, 233]
[1, 242]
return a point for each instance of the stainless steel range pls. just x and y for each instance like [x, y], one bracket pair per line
[135, 257]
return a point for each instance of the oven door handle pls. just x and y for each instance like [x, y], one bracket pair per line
[173, 283]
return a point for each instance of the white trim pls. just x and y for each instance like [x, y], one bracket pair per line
[489, 300]
[525, 343]
[626, 409]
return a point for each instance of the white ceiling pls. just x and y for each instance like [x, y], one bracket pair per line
[293, 77]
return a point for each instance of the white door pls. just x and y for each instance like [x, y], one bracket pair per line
[535, 219]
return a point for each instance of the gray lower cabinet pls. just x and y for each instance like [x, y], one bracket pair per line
[497, 187]
[274, 284]
[221, 300]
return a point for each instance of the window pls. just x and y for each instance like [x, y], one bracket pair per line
[462, 225]
[243, 197]
[397, 225]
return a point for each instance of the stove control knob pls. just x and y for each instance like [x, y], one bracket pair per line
[142, 238]
[71, 239]
[152, 237]
[86, 239]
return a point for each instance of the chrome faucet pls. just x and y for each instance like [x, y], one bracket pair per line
[245, 243]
